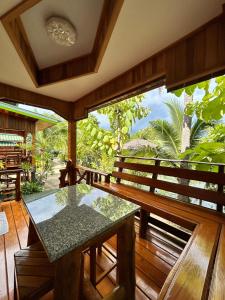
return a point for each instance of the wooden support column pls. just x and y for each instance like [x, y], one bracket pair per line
[33, 133]
[72, 149]
[126, 258]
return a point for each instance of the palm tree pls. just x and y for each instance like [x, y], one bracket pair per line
[168, 134]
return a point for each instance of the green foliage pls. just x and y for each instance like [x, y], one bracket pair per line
[30, 187]
[167, 134]
[212, 105]
[26, 166]
[96, 146]
[122, 116]
[211, 147]
[1, 165]
[207, 152]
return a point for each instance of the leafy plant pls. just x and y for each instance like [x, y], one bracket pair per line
[30, 187]
[167, 134]
[1, 165]
[212, 105]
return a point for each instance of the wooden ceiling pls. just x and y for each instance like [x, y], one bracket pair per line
[76, 67]
[198, 55]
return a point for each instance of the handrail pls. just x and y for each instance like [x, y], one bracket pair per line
[80, 173]
[170, 160]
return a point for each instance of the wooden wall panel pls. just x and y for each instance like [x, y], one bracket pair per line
[199, 56]
[16, 123]
[146, 73]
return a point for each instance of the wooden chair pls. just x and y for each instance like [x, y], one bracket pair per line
[34, 274]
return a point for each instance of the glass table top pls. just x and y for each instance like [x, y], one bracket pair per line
[67, 218]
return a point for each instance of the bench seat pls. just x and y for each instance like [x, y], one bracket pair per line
[191, 276]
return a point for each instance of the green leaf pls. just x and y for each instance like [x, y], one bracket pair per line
[125, 130]
[105, 139]
[93, 132]
[179, 92]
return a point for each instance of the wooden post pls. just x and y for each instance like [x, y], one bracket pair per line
[220, 188]
[67, 276]
[126, 258]
[18, 195]
[32, 234]
[33, 146]
[121, 159]
[72, 151]
[144, 215]
[93, 265]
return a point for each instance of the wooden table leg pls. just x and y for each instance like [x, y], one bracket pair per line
[144, 215]
[67, 276]
[126, 258]
[93, 265]
[32, 234]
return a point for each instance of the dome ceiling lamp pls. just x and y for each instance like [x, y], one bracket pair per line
[61, 31]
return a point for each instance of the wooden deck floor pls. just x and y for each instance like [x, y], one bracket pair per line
[154, 257]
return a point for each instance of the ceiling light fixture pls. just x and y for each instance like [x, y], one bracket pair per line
[61, 31]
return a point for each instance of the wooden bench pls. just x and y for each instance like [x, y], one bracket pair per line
[194, 276]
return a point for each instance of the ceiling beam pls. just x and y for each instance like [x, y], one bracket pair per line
[19, 9]
[62, 108]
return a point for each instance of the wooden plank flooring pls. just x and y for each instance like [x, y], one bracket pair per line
[154, 257]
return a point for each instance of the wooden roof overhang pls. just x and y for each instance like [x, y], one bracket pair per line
[21, 122]
[195, 57]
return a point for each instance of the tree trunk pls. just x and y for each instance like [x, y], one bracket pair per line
[185, 142]
[119, 137]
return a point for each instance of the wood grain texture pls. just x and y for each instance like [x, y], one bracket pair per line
[72, 146]
[126, 259]
[205, 176]
[190, 277]
[89, 63]
[62, 108]
[76, 67]
[19, 9]
[199, 193]
[197, 56]
[34, 274]
[148, 201]
[67, 276]
[146, 73]
[217, 288]
[12, 123]
[16, 32]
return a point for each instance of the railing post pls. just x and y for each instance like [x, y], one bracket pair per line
[18, 186]
[122, 159]
[155, 175]
[220, 188]
[144, 215]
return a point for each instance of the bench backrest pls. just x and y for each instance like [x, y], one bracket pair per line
[215, 195]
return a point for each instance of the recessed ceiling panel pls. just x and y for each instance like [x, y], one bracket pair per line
[83, 14]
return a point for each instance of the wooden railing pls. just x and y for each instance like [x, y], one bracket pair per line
[14, 160]
[182, 170]
[75, 175]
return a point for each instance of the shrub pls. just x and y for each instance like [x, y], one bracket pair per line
[30, 187]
